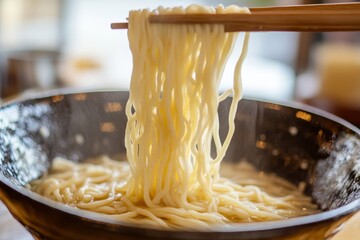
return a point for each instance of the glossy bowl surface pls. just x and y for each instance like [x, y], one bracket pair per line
[299, 143]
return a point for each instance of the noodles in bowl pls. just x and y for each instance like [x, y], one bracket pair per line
[171, 178]
[99, 185]
[320, 157]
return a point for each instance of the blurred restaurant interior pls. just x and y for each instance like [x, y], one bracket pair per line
[51, 44]
[47, 44]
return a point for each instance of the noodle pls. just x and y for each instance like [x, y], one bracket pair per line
[267, 197]
[171, 180]
[174, 95]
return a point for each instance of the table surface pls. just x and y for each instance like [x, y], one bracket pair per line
[10, 229]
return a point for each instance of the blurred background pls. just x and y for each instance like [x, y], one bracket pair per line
[50, 44]
[47, 44]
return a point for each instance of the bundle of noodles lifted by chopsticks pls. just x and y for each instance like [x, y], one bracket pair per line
[170, 178]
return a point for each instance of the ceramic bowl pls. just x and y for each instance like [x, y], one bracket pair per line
[299, 143]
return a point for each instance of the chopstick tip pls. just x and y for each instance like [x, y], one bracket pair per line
[122, 25]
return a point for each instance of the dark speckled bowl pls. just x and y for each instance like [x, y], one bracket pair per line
[297, 143]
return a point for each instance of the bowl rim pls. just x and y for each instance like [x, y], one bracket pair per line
[71, 91]
[230, 228]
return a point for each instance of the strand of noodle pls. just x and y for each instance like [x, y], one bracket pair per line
[236, 98]
[56, 194]
[126, 216]
[224, 95]
[144, 212]
[95, 204]
[109, 210]
[67, 195]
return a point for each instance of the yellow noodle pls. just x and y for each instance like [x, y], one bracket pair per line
[232, 202]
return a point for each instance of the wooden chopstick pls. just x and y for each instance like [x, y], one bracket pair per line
[271, 22]
[300, 18]
[307, 8]
[297, 23]
[121, 25]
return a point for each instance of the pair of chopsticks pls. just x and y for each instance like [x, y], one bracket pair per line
[299, 18]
